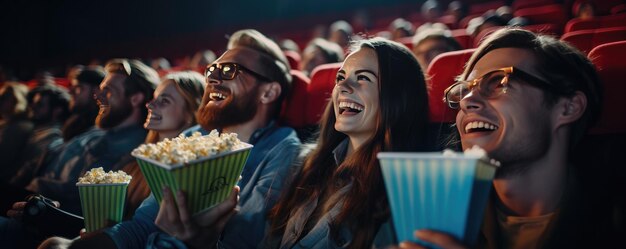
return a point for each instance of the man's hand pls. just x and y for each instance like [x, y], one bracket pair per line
[442, 240]
[202, 231]
[17, 210]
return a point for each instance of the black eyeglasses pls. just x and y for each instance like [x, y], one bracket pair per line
[490, 85]
[229, 70]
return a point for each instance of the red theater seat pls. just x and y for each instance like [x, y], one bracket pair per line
[546, 29]
[520, 4]
[461, 36]
[293, 58]
[406, 41]
[292, 113]
[553, 13]
[576, 24]
[585, 40]
[441, 74]
[609, 61]
[480, 8]
[319, 91]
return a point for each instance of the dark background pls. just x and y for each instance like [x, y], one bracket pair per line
[54, 34]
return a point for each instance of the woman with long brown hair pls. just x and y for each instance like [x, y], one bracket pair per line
[379, 103]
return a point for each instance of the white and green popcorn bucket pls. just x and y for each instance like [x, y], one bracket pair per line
[102, 203]
[206, 181]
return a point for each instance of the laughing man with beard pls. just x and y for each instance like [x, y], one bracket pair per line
[123, 94]
[244, 94]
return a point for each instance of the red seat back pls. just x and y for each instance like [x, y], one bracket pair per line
[293, 58]
[585, 40]
[319, 91]
[292, 113]
[553, 13]
[440, 75]
[576, 24]
[609, 61]
[461, 36]
[521, 4]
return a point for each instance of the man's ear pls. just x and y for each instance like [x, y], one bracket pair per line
[571, 109]
[269, 92]
[137, 100]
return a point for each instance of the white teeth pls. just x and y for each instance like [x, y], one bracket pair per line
[350, 105]
[479, 124]
[216, 96]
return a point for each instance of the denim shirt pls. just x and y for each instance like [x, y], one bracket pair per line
[320, 234]
[95, 148]
[268, 165]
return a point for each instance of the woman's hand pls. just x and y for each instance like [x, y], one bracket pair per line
[442, 240]
[201, 231]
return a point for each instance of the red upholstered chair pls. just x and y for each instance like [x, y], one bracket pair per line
[292, 113]
[480, 8]
[576, 24]
[461, 36]
[553, 13]
[319, 90]
[406, 41]
[546, 28]
[585, 40]
[293, 58]
[441, 74]
[609, 61]
[520, 4]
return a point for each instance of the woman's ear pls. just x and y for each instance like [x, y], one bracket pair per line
[269, 92]
[572, 108]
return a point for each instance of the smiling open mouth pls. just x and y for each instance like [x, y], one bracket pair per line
[479, 126]
[350, 108]
[215, 96]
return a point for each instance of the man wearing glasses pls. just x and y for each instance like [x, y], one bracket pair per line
[244, 93]
[528, 100]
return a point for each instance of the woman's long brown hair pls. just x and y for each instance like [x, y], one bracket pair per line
[400, 126]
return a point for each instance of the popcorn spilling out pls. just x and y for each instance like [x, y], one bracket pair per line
[474, 151]
[184, 149]
[98, 176]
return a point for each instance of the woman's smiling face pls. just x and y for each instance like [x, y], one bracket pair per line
[355, 96]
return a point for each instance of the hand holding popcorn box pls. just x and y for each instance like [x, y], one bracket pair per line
[443, 192]
[102, 197]
[205, 167]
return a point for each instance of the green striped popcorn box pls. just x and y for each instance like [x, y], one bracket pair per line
[102, 203]
[206, 181]
[435, 191]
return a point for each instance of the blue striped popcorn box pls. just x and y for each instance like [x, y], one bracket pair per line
[433, 191]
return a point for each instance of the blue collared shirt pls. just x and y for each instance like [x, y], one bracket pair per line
[268, 165]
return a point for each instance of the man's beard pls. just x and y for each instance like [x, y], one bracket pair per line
[113, 115]
[236, 111]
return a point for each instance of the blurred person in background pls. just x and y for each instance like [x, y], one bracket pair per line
[340, 32]
[15, 127]
[123, 94]
[319, 51]
[201, 59]
[83, 111]
[429, 43]
[400, 28]
[49, 108]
